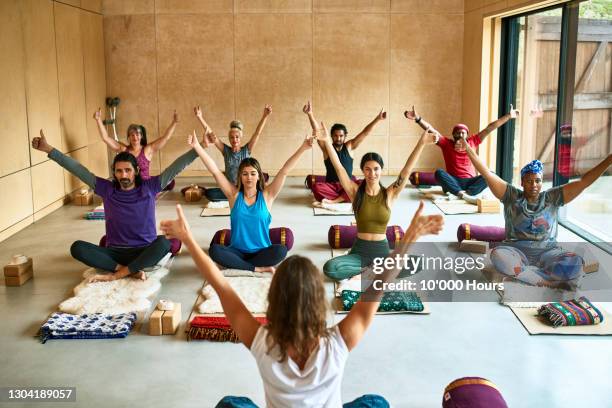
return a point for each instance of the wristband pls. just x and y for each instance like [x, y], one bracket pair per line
[418, 120]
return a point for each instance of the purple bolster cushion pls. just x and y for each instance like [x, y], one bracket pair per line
[480, 233]
[343, 236]
[175, 245]
[423, 178]
[279, 235]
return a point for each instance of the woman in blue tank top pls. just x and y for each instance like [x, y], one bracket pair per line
[250, 202]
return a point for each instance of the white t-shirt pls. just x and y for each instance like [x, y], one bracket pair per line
[317, 385]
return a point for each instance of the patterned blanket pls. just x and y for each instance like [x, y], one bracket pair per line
[578, 312]
[86, 326]
[214, 328]
[390, 302]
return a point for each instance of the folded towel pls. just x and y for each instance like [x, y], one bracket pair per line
[390, 302]
[577, 312]
[217, 204]
[87, 326]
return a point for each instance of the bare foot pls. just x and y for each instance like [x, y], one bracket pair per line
[139, 275]
[269, 269]
[316, 204]
[101, 278]
[334, 201]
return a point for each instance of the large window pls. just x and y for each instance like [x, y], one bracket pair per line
[556, 69]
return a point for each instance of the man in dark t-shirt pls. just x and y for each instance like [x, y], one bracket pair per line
[330, 191]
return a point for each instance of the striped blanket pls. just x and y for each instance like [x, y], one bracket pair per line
[577, 312]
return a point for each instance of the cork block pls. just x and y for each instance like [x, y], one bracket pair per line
[193, 194]
[155, 323]
[18, 280]
[84, 199]
[472, 245]
[171, 319]
[488, 206]
[19, 269]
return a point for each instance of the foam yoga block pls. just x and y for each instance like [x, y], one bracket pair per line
[279, 235]
[480, 233]
[343, 236]
[175, 245]
[422, 178]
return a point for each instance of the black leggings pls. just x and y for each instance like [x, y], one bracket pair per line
[135, 258]
[234, 259]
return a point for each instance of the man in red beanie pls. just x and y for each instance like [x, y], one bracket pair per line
[460, 176]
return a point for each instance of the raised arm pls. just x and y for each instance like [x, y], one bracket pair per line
[499, 122]
[110, 142]
[398, 185]
[176, 167]
[228, 188]
[354, 326]
[307, 109]
[73, 166]
[274, 188]
[413, 115]
[573, 189]
[357, 140]
[260, 126]
[347, 184]
[207, 129]
[160, 142]
[241, 320]
[496, 184]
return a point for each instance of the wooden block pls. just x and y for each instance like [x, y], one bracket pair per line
[171, 319]
[155, 323]
[471, 245]
[193, 194]
[18, 280]
[19, 269]
[590, 266]
[488, 206]
[84, 199]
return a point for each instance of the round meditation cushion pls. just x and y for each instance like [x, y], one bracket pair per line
[423, 178]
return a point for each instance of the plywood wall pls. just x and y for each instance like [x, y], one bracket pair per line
[350, 58]
[52, 73]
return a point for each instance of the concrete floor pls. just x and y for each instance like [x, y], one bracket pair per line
[407, 358]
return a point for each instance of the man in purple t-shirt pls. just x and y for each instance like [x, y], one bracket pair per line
[132, 243]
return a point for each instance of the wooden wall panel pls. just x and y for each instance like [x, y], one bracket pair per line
[71, 183]
[41, 74]
[71, 77]
[92, 5]
[47, 184]
[13, 118]
[18, 187]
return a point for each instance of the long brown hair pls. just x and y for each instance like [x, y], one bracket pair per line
[252, 162]
[297, 308]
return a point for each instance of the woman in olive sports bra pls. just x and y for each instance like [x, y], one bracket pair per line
[372, 207]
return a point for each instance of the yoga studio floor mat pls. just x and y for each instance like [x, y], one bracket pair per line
[252, 291]
[334, 209]
[453, 207]
[116, 297]
[215, 212]
[530, 321]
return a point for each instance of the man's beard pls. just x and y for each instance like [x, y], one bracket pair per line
[125, 183]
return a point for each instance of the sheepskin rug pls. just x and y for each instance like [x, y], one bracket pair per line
[115, 297]
[252, 291]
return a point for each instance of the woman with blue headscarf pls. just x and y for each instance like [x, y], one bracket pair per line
[530, 252]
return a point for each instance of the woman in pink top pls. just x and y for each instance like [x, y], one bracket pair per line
[301, 360]
[137, 142]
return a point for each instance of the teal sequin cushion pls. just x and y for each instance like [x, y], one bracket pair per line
[390, 302]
